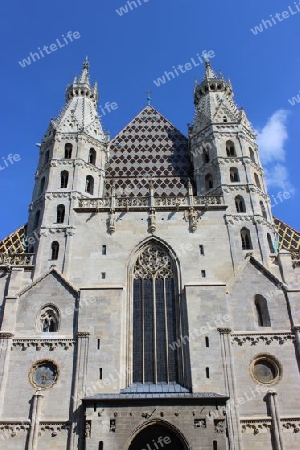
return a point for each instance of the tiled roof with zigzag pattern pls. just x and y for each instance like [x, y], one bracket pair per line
[149, 147]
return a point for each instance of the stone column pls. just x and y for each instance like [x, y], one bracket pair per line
[35, 420]
[276, 425]
[233, 421]
[79, 387]
[5, 348]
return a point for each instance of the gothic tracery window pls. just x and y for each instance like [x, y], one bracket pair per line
[154, 317]
[49, 319]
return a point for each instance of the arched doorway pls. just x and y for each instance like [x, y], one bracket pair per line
[156, 437]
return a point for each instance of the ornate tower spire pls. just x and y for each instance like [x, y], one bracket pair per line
[213, 99]
[73, 155]
[85, 76]
[80, 111]
[226, 161]
[209, 72]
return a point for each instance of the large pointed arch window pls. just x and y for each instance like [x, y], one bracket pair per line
[154, 317]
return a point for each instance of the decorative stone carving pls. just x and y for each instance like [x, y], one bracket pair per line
[12, 429]
[83, 334]
[53, 428]
[224, 330]
[199, 423]
[127, 202]
[112, 223]
[112, 426]
[291, 425]
[43, 374]
[143, 203]
[151, 261]
[152, 221]
[51, 344]
[266, 338]
[171, 201]
[94, 203]
[193, 219]
[19, 259]
[238, 218]
[67, 230]
[88, 427]
[265, 369]
[220, 426]
[255, 426]
[5, 335]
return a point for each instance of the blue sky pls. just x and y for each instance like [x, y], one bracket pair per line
[126, 54]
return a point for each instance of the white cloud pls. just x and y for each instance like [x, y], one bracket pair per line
[272, 137]
[271, 140]
[277, 177]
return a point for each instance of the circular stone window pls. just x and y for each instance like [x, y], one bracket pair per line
[43, 374]
[266, 369]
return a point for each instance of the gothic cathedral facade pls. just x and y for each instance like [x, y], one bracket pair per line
[152, 308]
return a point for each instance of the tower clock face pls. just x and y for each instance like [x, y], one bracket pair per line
[43, 374]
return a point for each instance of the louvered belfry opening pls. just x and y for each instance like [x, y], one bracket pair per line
[154, 317]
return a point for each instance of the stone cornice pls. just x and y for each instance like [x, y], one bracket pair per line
[13, 428]
[268, 338]
[243, 217]
[78, 162]
[53, 195]
[179, 203]
[69, 230]
[19, 259]
[255, 425]
[39, 344]
[50, 195]
[53, 427]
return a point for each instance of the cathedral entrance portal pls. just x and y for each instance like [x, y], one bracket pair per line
[157, 437]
